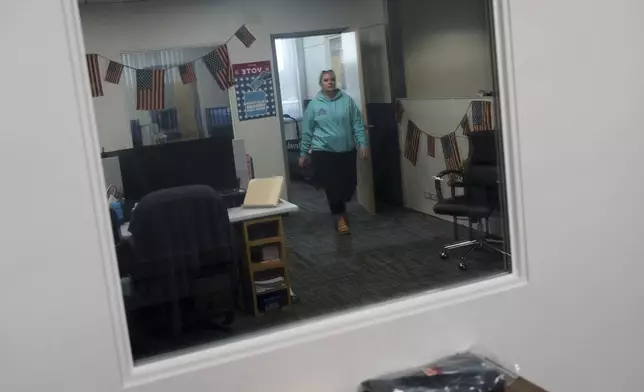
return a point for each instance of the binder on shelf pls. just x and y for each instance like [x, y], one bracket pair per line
[263, 192]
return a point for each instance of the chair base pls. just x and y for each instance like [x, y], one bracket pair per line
[474, 245]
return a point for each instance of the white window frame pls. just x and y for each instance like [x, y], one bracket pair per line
[312, 330]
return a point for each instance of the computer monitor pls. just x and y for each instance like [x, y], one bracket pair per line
[208, 161]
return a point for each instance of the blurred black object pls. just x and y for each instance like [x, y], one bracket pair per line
[457, 373]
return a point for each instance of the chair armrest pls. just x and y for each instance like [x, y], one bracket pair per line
[438, 180]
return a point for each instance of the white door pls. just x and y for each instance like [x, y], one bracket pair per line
[351, 69]
[573, 323]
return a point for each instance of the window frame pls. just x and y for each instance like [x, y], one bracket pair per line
[314, 329]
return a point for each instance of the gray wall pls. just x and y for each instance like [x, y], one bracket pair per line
[445, 46]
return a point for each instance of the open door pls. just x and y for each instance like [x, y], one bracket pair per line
[354, 86]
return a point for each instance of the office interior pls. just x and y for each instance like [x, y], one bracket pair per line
[432, 64]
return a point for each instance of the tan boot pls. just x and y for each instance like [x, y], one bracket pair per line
[343, 226]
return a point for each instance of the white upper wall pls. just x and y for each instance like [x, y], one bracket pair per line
[446, 46]
[110, 29]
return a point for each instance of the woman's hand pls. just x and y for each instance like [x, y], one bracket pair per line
[364, 152]
[304, 160]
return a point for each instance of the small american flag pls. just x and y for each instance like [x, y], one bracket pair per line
[412, 142]
[218, 63]
[465, 125]
[482, 115]
[187, 73]
[94, 75]
[245, 36]
[114, 72]
[150, 89]
[450, 152]
[399, 112]
[431, 146]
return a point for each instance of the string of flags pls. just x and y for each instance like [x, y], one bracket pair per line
[481, 121]
[150, 86]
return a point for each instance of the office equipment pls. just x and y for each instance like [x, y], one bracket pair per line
[207, 161]
[481, 192]
[263, 192]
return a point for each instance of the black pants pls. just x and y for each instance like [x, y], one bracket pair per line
[335, 172]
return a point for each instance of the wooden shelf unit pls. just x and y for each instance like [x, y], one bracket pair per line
[253, 267]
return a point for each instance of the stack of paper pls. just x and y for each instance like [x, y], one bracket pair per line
[262, 286]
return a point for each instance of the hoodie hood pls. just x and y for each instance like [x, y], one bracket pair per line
[321, 97]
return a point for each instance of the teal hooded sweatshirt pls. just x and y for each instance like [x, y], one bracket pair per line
[333, 125]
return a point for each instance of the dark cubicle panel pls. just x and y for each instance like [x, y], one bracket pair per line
[385, 155]
[206, 161]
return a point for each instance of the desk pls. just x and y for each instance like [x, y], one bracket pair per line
[238, 214]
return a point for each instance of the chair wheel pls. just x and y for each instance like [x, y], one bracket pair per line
[462, 266]
[444, 255]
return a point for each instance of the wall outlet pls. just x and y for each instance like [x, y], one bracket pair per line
[431, 196]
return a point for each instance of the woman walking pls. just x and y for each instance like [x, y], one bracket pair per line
[332, 130]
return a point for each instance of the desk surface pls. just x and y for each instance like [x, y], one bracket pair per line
[239, 214]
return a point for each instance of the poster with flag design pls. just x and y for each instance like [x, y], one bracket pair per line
[254, 90]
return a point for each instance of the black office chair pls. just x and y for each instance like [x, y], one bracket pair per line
[480, 183]
[184, 251]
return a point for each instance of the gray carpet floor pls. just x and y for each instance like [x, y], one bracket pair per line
[392, 254]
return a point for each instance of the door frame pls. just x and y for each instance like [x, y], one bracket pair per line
[278, 91]
[306, 332]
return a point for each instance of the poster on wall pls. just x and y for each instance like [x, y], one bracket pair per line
[254, 89]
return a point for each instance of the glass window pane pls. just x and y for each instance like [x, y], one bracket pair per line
[392, 160]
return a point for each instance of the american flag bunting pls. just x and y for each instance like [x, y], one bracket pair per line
[450, 152]
[94, 75]
[245, 36]
[465, 125]
[114, 72]
[482, 115]
[412, 142]
[187, 73]
[431, 146]
[218, 63]
[150, 89]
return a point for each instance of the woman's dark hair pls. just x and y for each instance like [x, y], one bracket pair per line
[327, 71]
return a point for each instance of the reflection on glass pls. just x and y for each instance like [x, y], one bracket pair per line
[407, 125]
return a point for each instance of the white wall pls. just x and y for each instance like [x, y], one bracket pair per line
[112, 28]
[446, 46]
[210, 95]
[316, 59]
[574, 325]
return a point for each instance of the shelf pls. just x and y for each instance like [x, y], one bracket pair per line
[265, 241]
[267, 265]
